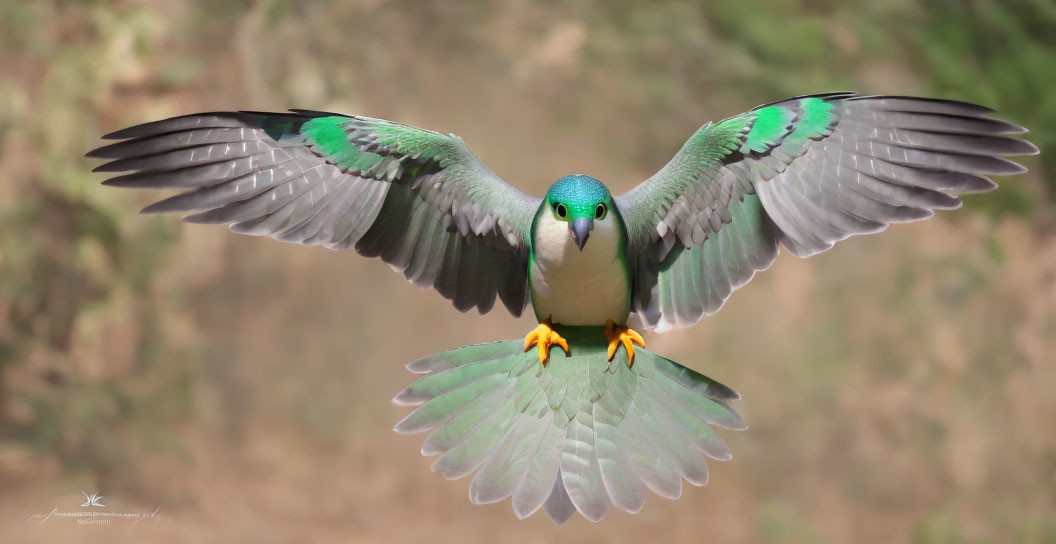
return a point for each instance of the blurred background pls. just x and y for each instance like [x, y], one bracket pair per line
[899, 388]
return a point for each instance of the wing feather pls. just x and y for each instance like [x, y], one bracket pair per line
[806, 173]
[316, 178]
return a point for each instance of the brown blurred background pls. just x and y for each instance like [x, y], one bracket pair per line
[899, 388]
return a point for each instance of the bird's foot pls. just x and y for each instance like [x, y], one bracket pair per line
[543, 337]
[620, 334]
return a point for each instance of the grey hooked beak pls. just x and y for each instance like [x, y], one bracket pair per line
[581, 230]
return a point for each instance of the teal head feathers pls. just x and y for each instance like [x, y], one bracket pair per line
[579, 200]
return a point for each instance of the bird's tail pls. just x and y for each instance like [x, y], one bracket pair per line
[580, 434]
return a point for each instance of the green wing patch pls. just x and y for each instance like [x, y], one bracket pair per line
[771, 124]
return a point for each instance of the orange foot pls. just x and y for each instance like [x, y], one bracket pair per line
[620, 334]
[544, 336]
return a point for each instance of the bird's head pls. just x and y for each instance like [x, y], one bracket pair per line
[579, 201]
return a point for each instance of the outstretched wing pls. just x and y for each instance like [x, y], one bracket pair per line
[807, 172]
[418, 199]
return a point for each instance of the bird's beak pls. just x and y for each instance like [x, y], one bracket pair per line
[581, 230]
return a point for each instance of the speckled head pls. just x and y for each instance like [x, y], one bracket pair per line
[579, 200]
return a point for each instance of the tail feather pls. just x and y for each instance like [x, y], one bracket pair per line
[559, 505]
[581, 434]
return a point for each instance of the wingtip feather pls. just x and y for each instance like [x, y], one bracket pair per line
[97, 153]
[112, 166]
[118, 134]
[171, 204]
[119, 181]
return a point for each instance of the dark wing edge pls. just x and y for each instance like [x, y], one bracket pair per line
[804, 173]
[419, 200]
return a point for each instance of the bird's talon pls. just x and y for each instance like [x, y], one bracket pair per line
[544, 337]
[620, 334]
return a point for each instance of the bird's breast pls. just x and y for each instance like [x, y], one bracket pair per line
[574, 287]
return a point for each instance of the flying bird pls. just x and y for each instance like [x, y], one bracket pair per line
[579, 415]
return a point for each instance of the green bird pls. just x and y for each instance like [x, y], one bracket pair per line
[577, 424]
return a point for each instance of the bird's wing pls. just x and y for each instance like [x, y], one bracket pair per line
[418, 199]
[580, 434]
[806, 172]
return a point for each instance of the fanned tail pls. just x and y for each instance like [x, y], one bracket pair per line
[580, 434]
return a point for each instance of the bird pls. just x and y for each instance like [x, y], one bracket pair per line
[579, 415]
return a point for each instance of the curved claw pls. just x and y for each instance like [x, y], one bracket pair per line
[620, 334]
[544, 337]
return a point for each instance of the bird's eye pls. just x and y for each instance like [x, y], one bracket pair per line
[599, 212]
[561, 210]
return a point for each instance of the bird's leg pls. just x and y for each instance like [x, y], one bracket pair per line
[620, 334]
[544, 336]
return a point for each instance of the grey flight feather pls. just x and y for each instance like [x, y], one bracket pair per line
[419, 200]
[804, 173]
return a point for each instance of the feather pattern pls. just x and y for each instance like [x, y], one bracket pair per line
[804, 173]
[419, 200]
[580, 434]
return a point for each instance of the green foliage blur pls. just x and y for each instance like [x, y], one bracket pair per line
[117, 353]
